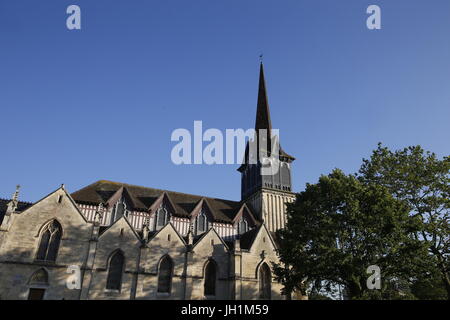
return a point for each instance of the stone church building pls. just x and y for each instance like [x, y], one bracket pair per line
[133, 242]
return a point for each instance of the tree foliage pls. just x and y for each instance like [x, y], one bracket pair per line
[340, 226]
[422, 182]
[429, 286]
[394, 214]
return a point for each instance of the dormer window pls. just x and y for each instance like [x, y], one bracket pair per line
[202, 223]
[161, 218]
[242, 226]
[119, 210]
[121, 207]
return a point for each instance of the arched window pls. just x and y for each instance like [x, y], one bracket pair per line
[285, 174]
[115, 269]
[242, 226]
[265, 281]
[49, 243]
[165, 275]
[119, 210]
[202, 222]
[210, 279]
[40, 278]
[38, 283]
[162, 218]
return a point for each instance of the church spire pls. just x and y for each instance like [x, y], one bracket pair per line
[262, 113]
[252, 178]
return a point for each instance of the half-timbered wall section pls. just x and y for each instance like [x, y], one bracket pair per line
[137, 219]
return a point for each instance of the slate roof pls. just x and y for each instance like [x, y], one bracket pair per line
[22, 205]
[263, 112]
[142, 198]
[263, 121]
[247, 238]
[275, 238]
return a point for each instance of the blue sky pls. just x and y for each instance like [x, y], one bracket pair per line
[102, 102]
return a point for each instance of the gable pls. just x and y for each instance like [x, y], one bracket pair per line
[203, 206]
[120, 231]
[121, 193]
[56, 205]
[210, 241]
[164, 200]
[247, 214]
[23, 236]
[263, 241]
[162, 237]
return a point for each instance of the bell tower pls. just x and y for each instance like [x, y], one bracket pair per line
[266, 193]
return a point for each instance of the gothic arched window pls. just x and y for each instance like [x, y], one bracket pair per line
[165, 275]
[265, 281]
[162, 218]
[202, 222]
[121, 207]
[119, 210]
[49, 243]
[242, 226]
[40, 278]
[115, 270]
[38, 283]
[210, 279]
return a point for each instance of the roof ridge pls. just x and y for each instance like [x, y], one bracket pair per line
[163, 190]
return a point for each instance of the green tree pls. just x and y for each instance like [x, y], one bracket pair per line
[429, 286]
[422, 182]
[393, 289]
[340, 226]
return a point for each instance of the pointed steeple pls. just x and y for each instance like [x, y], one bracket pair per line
[252, 179]
[262, 113]
[263, 120]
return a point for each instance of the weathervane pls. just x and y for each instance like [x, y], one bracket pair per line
[261, 57]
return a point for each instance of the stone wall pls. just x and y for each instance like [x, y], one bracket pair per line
[82, 245]
[21, 240]
[167, 242]
[261, 251]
